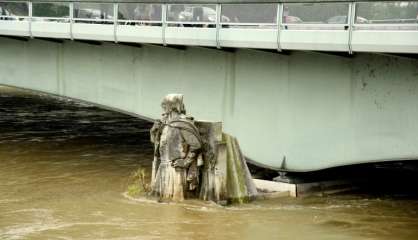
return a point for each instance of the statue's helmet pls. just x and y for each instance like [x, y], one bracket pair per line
[173, 102]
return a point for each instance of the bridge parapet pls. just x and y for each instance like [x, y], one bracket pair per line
[341, 26]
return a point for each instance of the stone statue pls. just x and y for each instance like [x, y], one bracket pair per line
[177, 147]
[195, 159]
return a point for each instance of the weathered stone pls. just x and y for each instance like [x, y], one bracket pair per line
[240, 185]
[177, 146]
[268, 188]
[195, 159]
[213, 186]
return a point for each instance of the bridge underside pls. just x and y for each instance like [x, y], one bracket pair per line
[299, 112]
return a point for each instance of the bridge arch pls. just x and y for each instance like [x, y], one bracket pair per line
[314, 110]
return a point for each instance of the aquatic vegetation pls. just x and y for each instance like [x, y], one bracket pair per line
[138, 183]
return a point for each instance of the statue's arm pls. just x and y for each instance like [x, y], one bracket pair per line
[193, 148]
[191, 138]
[155, 131]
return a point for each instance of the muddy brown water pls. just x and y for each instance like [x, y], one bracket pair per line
[64, 169]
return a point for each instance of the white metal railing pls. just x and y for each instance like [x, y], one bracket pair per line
[93, 21]
[186, 24]
[71, 20]
[279, 20]
[321, 26]
[217, 18]
[50, 19]
[218, 24]
[394, 21]
[138, 22]
[14, 18]
[30, 19]
[351, 14]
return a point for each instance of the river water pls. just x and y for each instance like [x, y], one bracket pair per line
[65, 167]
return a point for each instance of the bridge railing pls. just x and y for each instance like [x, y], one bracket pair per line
[140, 14]
[386, 26]
[369, 16]
[15, 18]
[244, 25]
[59, 12]
[193, 23]
[15, 11]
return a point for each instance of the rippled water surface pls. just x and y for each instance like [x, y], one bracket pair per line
[64, 168]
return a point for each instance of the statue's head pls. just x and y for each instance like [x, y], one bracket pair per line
[173, 103]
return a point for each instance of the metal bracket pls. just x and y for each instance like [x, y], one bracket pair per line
[218, 24]
[279, 22]
[164, 22]
[30, 19]
[71, 20]
[352, 19]
[115, 22]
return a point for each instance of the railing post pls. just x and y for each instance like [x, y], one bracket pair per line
[115, 21]
[71, 20]
[164, 22]
[279, 23]
[30, 19]
[218, 24]
[352, 19]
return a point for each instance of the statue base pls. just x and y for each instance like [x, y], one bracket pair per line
[225, 177]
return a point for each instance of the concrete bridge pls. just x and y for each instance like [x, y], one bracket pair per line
[302, 86]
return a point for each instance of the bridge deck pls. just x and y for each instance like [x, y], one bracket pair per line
[334, 26]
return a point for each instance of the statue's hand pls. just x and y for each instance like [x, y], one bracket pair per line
[179, 163]
[184, 162]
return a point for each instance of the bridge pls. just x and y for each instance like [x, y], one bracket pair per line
[336, 26]
[303, 85]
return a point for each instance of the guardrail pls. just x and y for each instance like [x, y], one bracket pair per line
[284, 18]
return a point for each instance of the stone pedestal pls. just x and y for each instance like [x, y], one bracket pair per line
[225, 177]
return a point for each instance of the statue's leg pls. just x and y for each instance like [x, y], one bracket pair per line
[179, 184]
[158, 183]
[170, 183]
[154, 170]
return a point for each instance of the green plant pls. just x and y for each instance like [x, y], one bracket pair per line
[138, 183]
